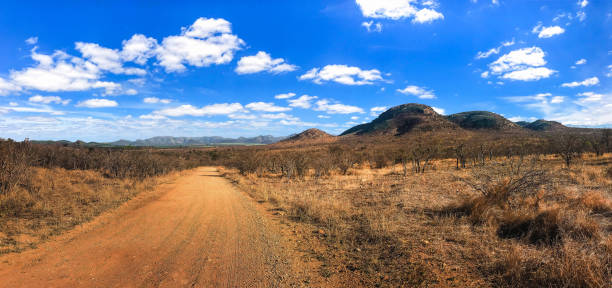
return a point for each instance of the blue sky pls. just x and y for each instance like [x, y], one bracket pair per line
[108, 70]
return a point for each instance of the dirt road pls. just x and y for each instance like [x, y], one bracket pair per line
[200, 232]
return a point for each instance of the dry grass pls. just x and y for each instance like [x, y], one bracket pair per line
[54, 200]
[435, 229]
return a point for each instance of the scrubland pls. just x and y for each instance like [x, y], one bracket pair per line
[516, 221]
[48, 189]
[431, 210]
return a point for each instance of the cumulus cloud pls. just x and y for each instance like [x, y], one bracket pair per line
[6, 87]
[48, 100]
[262, 61]
[374, 111]
[61, 72]
[583, 3]
[336, 108]
[206, 42]
[398, 9]
[138, 49]
[420, 92]
[209, 110]
[266, 107]
[426, 15]
[547, 32]
[371, 26]
[587, 82]
[529, 74]
[581, 62]
[155, 100]
[97, 103]
[284, 95]
[343, 74]
[106, 59]
[303, 101]
[522, 64]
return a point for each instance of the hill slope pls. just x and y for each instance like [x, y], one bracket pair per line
[402, 119]
[310, 134]
[482, 120]
[545, 125]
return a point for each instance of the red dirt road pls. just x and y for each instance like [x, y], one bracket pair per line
[199, 232]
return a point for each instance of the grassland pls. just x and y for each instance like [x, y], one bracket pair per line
[491, 225]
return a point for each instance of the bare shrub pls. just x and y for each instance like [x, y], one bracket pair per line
[14, 164]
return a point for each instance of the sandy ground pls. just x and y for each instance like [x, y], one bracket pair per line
[197, 232]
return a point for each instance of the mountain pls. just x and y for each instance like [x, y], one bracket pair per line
[402, 119]
[310, 134]
[474, 120]
[545, 125]
[197, 141]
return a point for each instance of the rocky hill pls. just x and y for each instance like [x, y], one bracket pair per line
[308, 135]
[402, 119]
[474, 120]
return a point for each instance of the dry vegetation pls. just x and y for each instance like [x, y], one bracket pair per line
[47, 189]
[536, 214]
[426, 209]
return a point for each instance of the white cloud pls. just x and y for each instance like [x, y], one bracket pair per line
[587, 82]
[280, 116]
[6, 87]
[522, 64]
[547, 32]
[323, 116]
[209, 110]
[545, 102]
[110, 88]
[581, 15]
[581, 61]
[583, 3]
[336, 108]
[590, 96]
[106, 59]
[438, 110]
[557, 99]
[48, 99]
[31, 40]
[529, 74]
[138, 49]
[266, 107]
[488, 53]
[284, 96]
[609, 74]
[97, 103]
[303, 101]
[398, 9]
[426, 15]
[343, 74]
[371, 26]
[492, 51]
[206, 42]
[131, 92]
[420, 92]
[154, 100]
[484, 74]
[263, 62]
[374, 111]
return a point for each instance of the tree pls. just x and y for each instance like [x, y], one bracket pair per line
[568, 146]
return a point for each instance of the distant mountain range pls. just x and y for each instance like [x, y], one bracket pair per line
[410, 117]
[198, 141]
[398, 120]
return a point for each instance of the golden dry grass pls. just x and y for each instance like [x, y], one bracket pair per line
[383, 229]
[54, 200]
